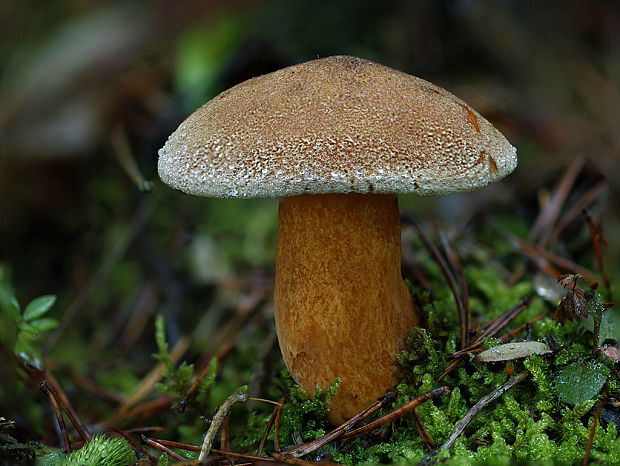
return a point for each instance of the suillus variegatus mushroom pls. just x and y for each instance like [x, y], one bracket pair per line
[336, 140]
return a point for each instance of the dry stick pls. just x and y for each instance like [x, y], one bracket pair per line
[269, 426]
[276, 429]
[155, 444]
[173, 444]
[458, 360]
[291, 460]
[496, 325]
[422, 432]
[566, 264]
[241, 455]
[432, 249]
[492, 327]
[338, 432]
[225, 435]
[216, 422]
[508, 336]
[455, 264]
[91, 387]
[482, 403]
[61, 422]
[512, 334]
[450, 367]
[525, 249]
[550, 212]
[145, 429]
[84, 435]
[58, 393]
[532, 253]
[503, 320]
[157, 405]
[576, 210]
[187, 447]
[597, 413]
[434, 393]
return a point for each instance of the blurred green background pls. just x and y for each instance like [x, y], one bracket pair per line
[90, 90]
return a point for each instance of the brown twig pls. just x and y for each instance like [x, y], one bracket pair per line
[515, 332]
[482, 403]
[449, 368]
[293, 460]
[58, 393]
[159, 404]
[432, 249]
[147, 384]
[182, 446]
[276, 429]
[124, 154]
[415, 402]
[455, 264]
[156, 444]
[61, 422]
[575, 210]
[565, 263]
[272, 419]
[426, 437]
[551, 210]
[242, 455]
[491, 328]
[597, 414]
[338, 432]
[502, 321]
[94, 389]
[225, 435]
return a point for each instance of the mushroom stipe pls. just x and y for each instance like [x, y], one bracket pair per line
[342, 309]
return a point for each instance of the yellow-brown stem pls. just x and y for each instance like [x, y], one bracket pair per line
[341, 307]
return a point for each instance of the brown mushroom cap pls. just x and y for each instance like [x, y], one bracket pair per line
[335, 125]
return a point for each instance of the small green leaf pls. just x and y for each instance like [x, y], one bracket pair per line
[28, 354]
[579, 382]
[39, 306]
[44, 325]
[28, 327]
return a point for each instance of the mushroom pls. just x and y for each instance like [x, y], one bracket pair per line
[336, 139]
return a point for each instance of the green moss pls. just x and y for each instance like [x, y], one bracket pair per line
[304, 418]
[100, 451]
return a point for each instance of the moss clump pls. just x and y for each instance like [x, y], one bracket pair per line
[100, 451]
